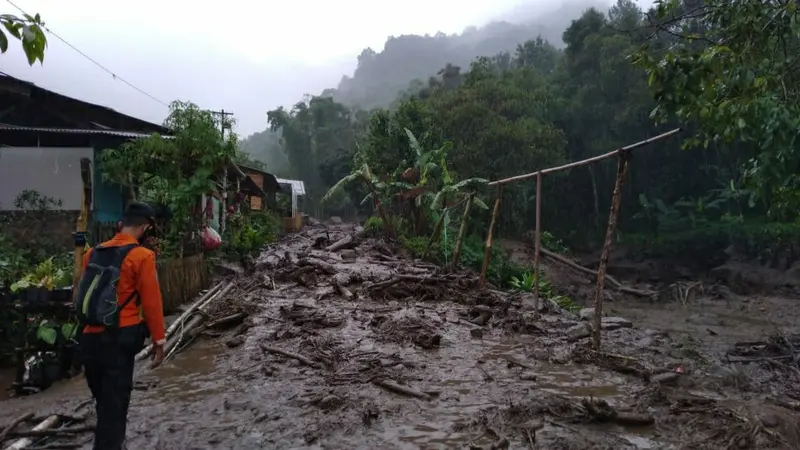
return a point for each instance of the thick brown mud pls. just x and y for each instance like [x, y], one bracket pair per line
[393, 354]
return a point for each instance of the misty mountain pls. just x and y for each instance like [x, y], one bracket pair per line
[380, 77]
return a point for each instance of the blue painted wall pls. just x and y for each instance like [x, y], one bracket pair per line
[109, 201]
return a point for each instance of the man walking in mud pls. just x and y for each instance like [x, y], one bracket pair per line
[119, 302]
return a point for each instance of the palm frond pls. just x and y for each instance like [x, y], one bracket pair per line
[414, 143]
[339, 186]
[479, 203]
[470, 182]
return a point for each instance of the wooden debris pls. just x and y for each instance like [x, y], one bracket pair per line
[611, 280]
[402, 390]
[14, 424]
[300, 358]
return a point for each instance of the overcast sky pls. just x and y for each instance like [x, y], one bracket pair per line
[244, 56]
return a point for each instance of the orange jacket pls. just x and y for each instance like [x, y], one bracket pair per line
[138, 273]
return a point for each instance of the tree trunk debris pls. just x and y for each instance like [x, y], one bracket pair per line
[611, 280]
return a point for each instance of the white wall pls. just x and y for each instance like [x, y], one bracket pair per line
[52, 171]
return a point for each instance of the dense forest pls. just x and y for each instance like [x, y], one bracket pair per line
[613, 78]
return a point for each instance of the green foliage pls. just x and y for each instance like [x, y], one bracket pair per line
[730, 67]
[29, 30]
[770, 243]
[46, 274]
[552, 243]
[247, 234]
[13, 262]
[527, 283]
[509, 112]
[175, 171]
[500, 267]
[373, 226]
[35, 211]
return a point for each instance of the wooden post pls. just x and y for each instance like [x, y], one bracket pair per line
[462, 231]
[435, 235]
[488, 253]
[537, 241]
[622, 170]
[82, 224]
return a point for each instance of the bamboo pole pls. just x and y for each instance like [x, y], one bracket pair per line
[537, 241]
[435, 235]
[210, 294]
[622, 170]
[462, 231]
[82, 224]
[488, 253]
[584, 162]
[48, 423]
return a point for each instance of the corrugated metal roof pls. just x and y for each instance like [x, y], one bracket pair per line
[119, 133]
[298, 186]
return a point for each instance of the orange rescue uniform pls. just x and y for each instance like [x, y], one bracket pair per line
[137, 274]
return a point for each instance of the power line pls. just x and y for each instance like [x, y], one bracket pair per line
[89, 58]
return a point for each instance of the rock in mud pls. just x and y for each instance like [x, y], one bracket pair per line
[615, 323]
[428, 340]
[330, 402]
[705, 319]
[587, 314]
[335, 220]
[578, 332]
[348, 254]
[235, 342]
[527, 376]
[476, 333]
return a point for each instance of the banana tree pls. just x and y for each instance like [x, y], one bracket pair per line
[374, 186]
[418, 178]
[463, 191]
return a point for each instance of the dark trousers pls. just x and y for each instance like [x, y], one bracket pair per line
[109, 360]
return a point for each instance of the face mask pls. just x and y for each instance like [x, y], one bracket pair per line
[146, 234]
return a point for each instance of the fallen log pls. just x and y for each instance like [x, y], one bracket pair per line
[14, 424]
[300, 358]
[211, 294]
[402, 390]
[318, 264]
[52, 432]
[602, 412]
[47, 424]
[611, 280]
[172, 345]
[349, 241]
[227, 321]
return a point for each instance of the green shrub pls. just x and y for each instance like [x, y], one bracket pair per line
[707, 245]
[500, 267]
[246, 235]
[373, 226]
[527, 282]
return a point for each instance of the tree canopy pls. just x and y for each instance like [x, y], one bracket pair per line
[613, 78]
[28, 30]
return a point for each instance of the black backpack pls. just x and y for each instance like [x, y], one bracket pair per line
[96, 303]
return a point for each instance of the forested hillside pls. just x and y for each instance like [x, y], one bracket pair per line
[406, 63]
[381, 76]
[538, 105]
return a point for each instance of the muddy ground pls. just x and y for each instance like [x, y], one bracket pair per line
[360, 348]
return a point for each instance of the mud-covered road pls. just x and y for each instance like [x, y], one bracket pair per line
[362, 348]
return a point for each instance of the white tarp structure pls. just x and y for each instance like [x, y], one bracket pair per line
[294, 187]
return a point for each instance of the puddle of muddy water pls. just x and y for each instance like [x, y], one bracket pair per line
[189, 375]
[465, 392]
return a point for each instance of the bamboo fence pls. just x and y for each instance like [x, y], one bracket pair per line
[623, 154]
